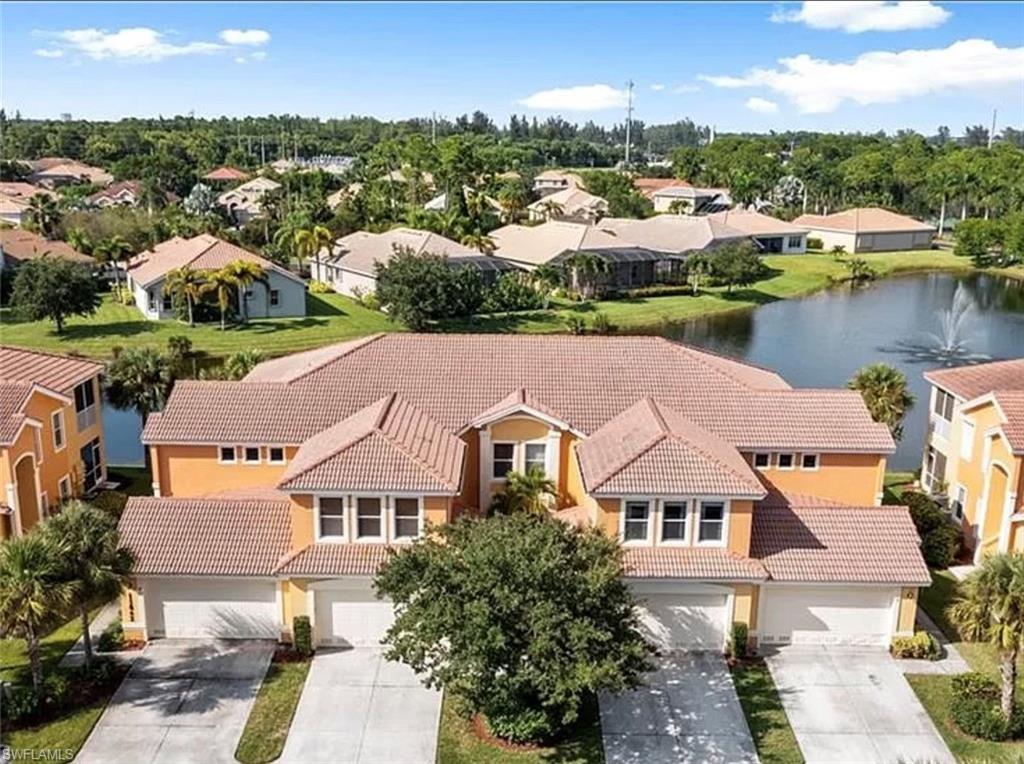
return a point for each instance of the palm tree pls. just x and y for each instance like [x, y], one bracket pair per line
[116, 249]
[33, 598]
[532, 493]
[187, 284]
[44, 213]
[481, 242]
[513, 203]
[584, 269]
[551, 209]
[151, 195]
[246, 273]
[242, 362]
[95, 562]
[79, 240]
[140, 379]
[990, 608]
[547, 277]
[309, 242]
[222, 283]
[884, 390]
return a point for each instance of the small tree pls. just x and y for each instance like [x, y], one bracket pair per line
[990, 608]
[420, 288]
[222, 284]
[185, 285]
[94, 561]
[533, 493]
[43, 214]
[737, 264]
[520, 617]
[141, 379]
[246, 273]
[201, 200]
[53, 288]
[240, 363]
[884, 390]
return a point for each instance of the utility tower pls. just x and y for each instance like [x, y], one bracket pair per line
[629, 118]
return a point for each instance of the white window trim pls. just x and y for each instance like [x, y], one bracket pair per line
[259, 456]
[648, 540]
[778, 462]
[726, 514]
[686, 540]
[220, 454]
[817, 463]
[960, 488]
[766, 454]
[344, 520]
[393, 524]
[383, 503]
[64, 479]
[967, 443]
[59, 415]
[271, 460]
[522, 461]
[515, 458]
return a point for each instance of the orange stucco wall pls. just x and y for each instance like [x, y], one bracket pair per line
[741, 520]
[854, 479]
[908, 611]
[469, 499]
[195, 471]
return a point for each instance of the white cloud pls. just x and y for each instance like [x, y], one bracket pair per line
[245, 36]
[658, 86]
[48, 52]
[133, 43]
[857, 16]
[259, 55]
[688, 88]
[239, 59]
[578, 98]
[762, 105]
[817, 86]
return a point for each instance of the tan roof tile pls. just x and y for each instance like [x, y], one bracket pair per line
[336, 560]
[18, 244]
[1011, 403]
[756, 223]
[676, 234]
[226, 173]
[690, 562]
[573, 201]
[970, 382]
[863, 220]
[535, 245]
[362, 250]
[58, 372]
[202, 252]
[205, 537]
[13, 397]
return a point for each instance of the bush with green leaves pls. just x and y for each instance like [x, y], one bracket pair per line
[513, 291]
[940, 541]
[51, 288]
[920, 645]
[112, 638]
[418, 289]
[815, 243]
[320, 287]
[519, 616]
[302, 635]
[981, 240]
[975, 709]
[738, 639]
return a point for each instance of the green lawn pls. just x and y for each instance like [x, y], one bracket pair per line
[271, 715]
[14, 659]
[458, 743]
[934, 691]
[769, 725]
[894, 484]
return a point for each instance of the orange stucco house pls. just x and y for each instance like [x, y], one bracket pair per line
[51, 434]
[735, 497]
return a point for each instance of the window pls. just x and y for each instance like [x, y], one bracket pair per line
[275, 298]
[85, 405]
[762, 461]
[64, 488]
[368, 521]
[57, 421]
[786, 461]
[959, 502]
[637, 521]
[673, 521]
[92, 464]
[944, 404]
[793, 242]
[936, 470]
[226, 455]
[275, 455]
[407, 518]
[332, 517]
[167, 303]
[151, 301]
[712, 521]
[966, 440]
[251, 455]
[808, 461]
[536, 457]
[503, 454]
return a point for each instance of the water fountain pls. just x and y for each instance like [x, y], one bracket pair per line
[948, 346]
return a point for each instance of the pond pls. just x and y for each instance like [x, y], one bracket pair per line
[821, 341]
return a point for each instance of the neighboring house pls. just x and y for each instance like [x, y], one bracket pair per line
[124, 193]
[329, 163]
[573, 204]
[868, 229]
[649, 186]
[244, 203]
[351, 265]
[684, 199]
[14, 200]
[283, 295]
[735, 497]
[52, 172]
[51, 434]
[335, 199]
[226, 175]
[771, 235]
[550, 181]
[974, 453]
[675, 234]
[18, 245]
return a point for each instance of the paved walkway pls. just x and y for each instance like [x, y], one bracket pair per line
[358, 708]
[687, 712]
[853, 705]
[107, 615]
[950, 662]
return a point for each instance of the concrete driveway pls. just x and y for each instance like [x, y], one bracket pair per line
[183, 701]
[850, 705]
[358, 708]
[688, 712]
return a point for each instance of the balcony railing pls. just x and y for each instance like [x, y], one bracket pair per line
[87, 417]
[941, 427]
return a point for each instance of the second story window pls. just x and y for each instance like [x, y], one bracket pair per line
[673, 521]
[85, 405]
[57, 421]
[637, 521]
[809, 462]
[712, 522]
[786, 461]
[503, 459]
[331, 518]
[944, 405]
[407, 518]
[536, 457]
[369, 524]
[762, 461]
[251, 454]
[275, 455]
[226, 454]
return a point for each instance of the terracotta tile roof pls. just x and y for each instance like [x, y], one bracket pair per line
[22, 190]
[518, 400]
[586, 381]
[58, 372]
[389, 445]
[226, 173]
[72, 169]
[573, 201]
[863, 220]
[202, 252]
[756, 224]
[290, 368]
[125, 191]
[13, 397]
[205, 537]
[837, 544]
[651, 449]
[362, 250]
[690, 562]
[1011, 403]
[648, 186]
[18, 244]
[336, 560]
[570, 178]
[672, 233]
[538, 244]
[970, 382]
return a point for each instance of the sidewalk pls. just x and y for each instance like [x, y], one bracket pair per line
[106, 616]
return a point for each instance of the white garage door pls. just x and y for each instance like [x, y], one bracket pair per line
[348, 614]
[827, 615]
[224, 609]
[691, 618]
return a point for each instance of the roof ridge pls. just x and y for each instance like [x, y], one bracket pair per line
[695, 446]
[694, 351]
[644, 449]
[413, 456]
[51, 354]
[357, 344]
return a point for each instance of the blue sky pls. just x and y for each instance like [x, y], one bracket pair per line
[873, 66]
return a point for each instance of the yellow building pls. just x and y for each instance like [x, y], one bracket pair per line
[51, 434]
[735, 496]
[974, 455]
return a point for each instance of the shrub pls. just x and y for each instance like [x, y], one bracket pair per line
[575, 324]
[112, 638]
[738, 639]
[815, 243]
[302, 633]
[921, 645]
[924, 511]
[602, 324]
[941, 547]
[659, 290]
[974, 684]
[512, 292]
[975, 709]
[522, 726]
[371, 300]
[20, 704]
[320, 287]
[110, 501]
[838, 250]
